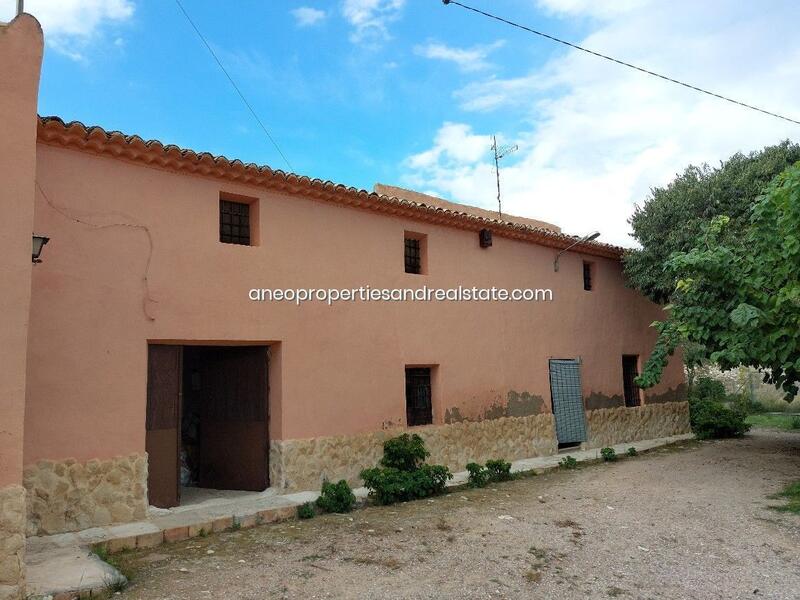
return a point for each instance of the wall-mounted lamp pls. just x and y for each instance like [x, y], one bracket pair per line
[38, 243]
[592, 236]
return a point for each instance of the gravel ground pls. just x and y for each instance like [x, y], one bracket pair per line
[689, 521]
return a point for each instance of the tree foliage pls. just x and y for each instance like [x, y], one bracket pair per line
[673, 217]
[738, 298]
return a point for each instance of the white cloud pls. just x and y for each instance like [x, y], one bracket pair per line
[466, 59]
[71, 25]
[595, 137]
[590, 7]
[306, 16]
[370, 18]
[454, 145]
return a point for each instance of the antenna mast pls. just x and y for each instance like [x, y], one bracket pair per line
[499, 153]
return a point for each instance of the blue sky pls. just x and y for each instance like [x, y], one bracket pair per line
[408, 92]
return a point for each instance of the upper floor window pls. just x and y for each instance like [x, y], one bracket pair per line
[414, 252]
[234, 222]
[587, 276]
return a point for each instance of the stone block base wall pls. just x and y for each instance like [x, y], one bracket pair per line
[609, 426]
[302, 464]
[12, 542]
[69, 496]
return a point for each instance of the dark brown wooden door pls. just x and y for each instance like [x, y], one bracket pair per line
[233, 419]
[162, 439]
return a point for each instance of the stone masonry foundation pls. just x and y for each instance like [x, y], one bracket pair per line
[610, 426]
[69, 496]
[12, 542]
[302, 464]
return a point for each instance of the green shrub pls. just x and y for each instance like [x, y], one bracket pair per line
[336, 497]
[388, 485]
[608, 454]
[404, 452]
[305, 511]
[478, 475]
[403, 475]
[756, 408]
[568, 462]
[632, 451]
[710, 418]
[714, 420]
[499, 470]
[706, 388]
[795, 422]
[430, 480]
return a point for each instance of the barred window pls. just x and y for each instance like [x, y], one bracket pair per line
[419, 410]
[234, 222]
[413, 256]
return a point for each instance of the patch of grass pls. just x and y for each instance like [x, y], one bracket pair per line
[788, 422]
[119, 582]
[608, 454]
[305, 511]
[114, 584]
[568, 462]
[791, 495]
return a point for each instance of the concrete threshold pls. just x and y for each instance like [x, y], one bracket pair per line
[63, 566]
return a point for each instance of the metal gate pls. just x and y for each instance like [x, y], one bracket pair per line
[565, 389]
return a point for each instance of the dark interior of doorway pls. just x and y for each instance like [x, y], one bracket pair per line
[207, 421]
[223, 418]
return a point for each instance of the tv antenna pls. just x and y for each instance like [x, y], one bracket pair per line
[500, 152]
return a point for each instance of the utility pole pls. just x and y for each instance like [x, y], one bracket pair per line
[499, 153]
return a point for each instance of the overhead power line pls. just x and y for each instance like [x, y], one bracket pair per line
[621, 62]
[233, 83]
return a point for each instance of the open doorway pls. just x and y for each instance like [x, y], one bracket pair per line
[207, 424]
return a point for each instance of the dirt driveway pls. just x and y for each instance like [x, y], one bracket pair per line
[686, 522]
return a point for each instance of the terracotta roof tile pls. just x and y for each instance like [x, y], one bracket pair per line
[54, 131]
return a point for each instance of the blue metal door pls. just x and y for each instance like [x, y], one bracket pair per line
[565, 389]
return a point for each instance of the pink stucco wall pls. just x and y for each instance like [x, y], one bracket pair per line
[336, 370]
[20, 60]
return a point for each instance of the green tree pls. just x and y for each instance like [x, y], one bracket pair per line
[672, 218]
[739, 298]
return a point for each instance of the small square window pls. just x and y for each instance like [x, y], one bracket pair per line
[587, 276]
[234, 222]
[419, 408]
